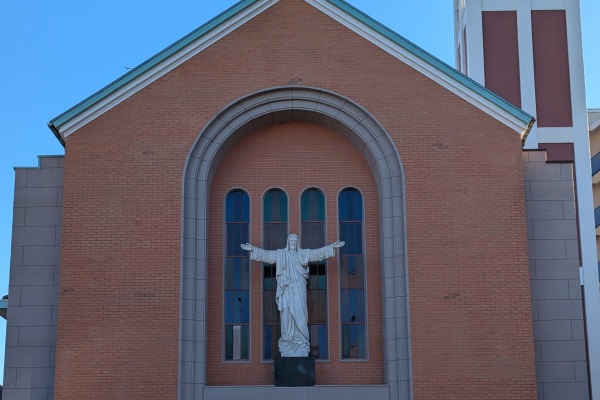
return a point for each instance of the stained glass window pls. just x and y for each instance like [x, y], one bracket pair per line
[312, 213]
[352, 275]
[275, 231]
[237, 276]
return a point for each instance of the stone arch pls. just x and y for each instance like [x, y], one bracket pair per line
[345, 117]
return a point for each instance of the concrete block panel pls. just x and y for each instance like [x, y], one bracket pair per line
[544, 209]
[16, 256]
[578, 329]
[25, 394]
[41, 255]
[39, 295]
[569, 210]
[554, 372]
[550, 289]
[562, 190]
[554, 229]
[564, 391]
[566, 171]
[34, 276]
[10, 378]
[51, 177]
[37, 336]
[552, 330]
[581, 373]
[35, 378]
[14, 297]
[43, 216]
[12, 336]
[560, 309]
[575, 289]
[541, 171]
[27, 357]
[49, 162]
[571, 350]
[545, 249]
[19, 216]
[572, 249]
[557, 269]
[36, 197]
[34, 236]
[30, 315]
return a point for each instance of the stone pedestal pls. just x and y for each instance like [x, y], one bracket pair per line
[294, 371]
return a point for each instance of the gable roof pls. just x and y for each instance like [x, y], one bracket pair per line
[243, 11]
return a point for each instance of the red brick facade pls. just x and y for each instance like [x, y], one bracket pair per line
[470, 318]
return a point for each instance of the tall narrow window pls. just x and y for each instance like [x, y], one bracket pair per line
[237, 274]
[275, 230]
[352, 275]
[313, 237]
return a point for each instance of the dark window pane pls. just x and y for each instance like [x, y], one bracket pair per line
[317, 306]
[236, 307]
[313, 235]
[318, 340]
[229, 342]
[244, 352]
[313, 205]
[275, 206]
[274, 236]
[350, 205]
[353, 342]
[352, 272]
[268, 342]
[353, 306]
[351, 233]
[317, 278]
[237, 207]
[270, 311]
[269, 277]
[323, 348]
[237, 233]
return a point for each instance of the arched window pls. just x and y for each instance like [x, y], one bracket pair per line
[312, 217]
[352, 274]
[275, 231]
[237, 276]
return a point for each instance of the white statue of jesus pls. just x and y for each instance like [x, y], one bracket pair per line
[291, 275]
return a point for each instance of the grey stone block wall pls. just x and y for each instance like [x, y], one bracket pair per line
[33, 286]
[557, 307]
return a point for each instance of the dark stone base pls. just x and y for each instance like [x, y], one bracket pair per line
[294, 371]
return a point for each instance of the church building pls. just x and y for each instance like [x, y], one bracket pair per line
[463, 195]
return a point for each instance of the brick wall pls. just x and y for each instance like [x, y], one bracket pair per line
[467, 255]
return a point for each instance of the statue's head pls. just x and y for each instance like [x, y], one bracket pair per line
[292, 242]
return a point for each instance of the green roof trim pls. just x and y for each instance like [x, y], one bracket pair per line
[242, 5]
[432, 60]
[148, 64]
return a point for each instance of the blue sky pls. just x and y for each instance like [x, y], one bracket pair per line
[57, 53]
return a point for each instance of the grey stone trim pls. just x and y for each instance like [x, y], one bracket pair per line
[361, 129]
[557, 309]
[347, 392]
[33, 287]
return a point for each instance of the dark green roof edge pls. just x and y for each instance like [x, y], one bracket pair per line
[147, 65]
[432, 60]
[350, 10]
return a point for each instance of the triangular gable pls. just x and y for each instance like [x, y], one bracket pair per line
[240, 13]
